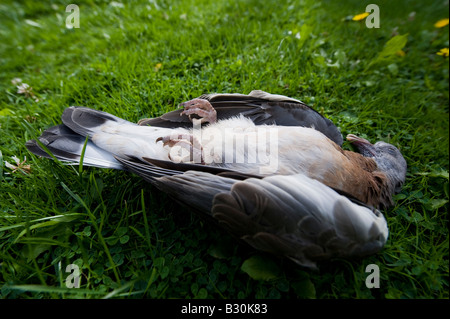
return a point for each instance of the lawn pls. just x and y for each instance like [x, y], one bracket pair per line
[139, 59]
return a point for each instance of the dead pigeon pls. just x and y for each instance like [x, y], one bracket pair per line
[280, 190]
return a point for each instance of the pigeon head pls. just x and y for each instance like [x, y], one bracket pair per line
[388, 158]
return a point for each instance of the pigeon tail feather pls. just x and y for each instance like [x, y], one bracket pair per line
[86, 121]
[68, 146]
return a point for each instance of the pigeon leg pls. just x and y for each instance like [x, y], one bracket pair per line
[201, 108]
[184, 142]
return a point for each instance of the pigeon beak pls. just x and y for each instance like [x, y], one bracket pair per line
[364, 146]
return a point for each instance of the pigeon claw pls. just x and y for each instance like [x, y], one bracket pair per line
[178, 145]
[201, 108]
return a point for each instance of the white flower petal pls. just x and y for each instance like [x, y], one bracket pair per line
[16, 159]
[16, 81]
[10, 166]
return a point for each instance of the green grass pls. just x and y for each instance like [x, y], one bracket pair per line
[129, 239]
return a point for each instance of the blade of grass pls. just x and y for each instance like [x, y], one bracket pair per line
[97, 229]
[83, 151]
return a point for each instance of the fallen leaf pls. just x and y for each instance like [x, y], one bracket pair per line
[360, 16]
[260, 268]
[157, 67]
[441, 23]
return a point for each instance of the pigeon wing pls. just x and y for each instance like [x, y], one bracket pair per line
[292, 216]
[299, 218]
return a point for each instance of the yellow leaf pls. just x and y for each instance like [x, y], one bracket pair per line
[400, 53]
[441, 23]
[158, 67]
[360, 16]
[444, 52]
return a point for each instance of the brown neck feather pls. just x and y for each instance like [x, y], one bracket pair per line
[375, 186]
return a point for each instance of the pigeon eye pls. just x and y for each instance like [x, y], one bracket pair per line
[391, 150]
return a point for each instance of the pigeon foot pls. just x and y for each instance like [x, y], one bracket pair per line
[179, 144]
[200, 107]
